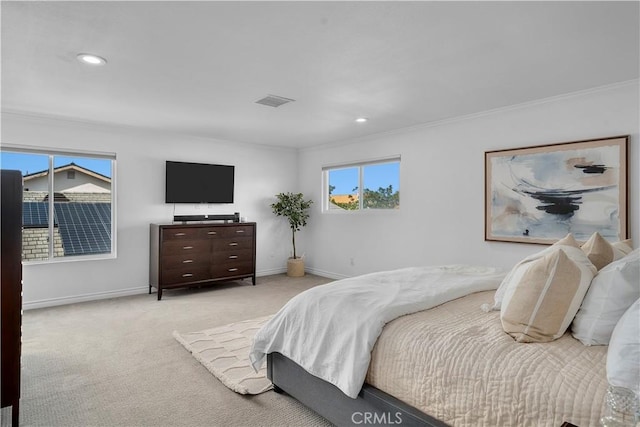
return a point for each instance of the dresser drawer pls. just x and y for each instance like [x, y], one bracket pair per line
[236, 230]
[232, 269]
[187, 259]
[184, 275]
[210, 232]
[177, 247]
[232, 255]
[232, 243]
[180, 233]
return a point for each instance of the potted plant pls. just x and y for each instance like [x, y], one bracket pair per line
[293, 207]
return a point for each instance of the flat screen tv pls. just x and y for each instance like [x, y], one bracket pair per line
[198, 183]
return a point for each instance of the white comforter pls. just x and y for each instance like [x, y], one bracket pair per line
[331, 329]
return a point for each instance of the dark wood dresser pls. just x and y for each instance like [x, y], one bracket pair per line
[186, 255]
[11, 289]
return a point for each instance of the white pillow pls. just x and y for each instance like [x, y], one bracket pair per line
[568, 244]
[623, 357]
[612, 291]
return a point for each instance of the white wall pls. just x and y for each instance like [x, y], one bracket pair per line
[260, 173]
[441, 219]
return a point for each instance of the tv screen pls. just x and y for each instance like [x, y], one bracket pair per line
[198, 183]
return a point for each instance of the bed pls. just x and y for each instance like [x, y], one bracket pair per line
[444, 362]
[455, 368]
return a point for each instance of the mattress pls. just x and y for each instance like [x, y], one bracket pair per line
[455, 363]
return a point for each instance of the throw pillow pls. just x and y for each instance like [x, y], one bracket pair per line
[600, 252]
[521, 267]
[624, 246]
[612, 291]
[623, 356]
[544, 301]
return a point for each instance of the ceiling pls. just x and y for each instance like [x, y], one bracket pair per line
[198, 68]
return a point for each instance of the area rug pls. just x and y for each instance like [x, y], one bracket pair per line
[224, 351]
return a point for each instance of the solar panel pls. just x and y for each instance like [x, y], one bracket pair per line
[85, 228]
[35, 214]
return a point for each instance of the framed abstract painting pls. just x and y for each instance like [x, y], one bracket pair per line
[540, 194]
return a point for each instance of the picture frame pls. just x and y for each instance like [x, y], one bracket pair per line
[539, 194]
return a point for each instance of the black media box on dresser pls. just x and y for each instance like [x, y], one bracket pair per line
[186, 255]
[11, 289]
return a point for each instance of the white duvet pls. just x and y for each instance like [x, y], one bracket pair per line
[331, 329]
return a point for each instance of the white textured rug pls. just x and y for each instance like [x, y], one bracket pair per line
[224, 351]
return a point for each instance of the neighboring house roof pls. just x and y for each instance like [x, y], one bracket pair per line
[85, 228]
[344, 198]
[86, 188]
[70, 166]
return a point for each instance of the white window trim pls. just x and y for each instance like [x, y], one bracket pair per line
[30, 149]
[360, 165]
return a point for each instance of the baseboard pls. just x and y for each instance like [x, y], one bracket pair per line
[327, 274]
[271, 271]
[51, 302]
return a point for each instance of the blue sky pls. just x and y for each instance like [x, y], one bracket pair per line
[375, 176]
[30, 163]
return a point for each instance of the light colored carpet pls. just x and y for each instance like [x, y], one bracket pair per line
[224, 351]
[115, 362]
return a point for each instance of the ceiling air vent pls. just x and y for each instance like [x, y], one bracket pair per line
[274, 101]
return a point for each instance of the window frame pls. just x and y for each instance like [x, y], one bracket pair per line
[51, 153]
[360, 165]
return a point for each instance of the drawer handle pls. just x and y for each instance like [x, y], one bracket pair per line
[233, 244]
[187, 247]
[187, 261]
[233, 256]
[233, 269]
[187, 275]
[212, 232]
[180, 234]
[239, 231]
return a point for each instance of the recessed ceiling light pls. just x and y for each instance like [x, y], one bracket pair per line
[361, 119]
[90, 59]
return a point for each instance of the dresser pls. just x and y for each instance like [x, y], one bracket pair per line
[187, 255]
[11, 289]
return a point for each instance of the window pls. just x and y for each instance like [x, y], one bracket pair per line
[365, 185]
[76, 190]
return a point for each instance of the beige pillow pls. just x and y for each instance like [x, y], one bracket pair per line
[542, 304]
[600, 252]
[624, 246]
[518, 270]
[567, 240]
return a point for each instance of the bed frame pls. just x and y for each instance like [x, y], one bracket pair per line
[372, 406]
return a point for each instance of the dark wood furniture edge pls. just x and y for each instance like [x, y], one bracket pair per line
[11, 292]
[328, 401]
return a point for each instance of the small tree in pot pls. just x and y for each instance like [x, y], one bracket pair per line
[293, 207]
